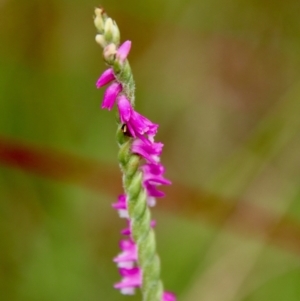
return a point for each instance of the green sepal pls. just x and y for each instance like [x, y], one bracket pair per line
[124, 153]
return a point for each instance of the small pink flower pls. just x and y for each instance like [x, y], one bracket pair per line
[132, 278]
[110, 95]
[140, 125]
[154, 173]
[152, 190]
[167, 296]
[126, 231]
[123, 51]
[125, 108]
[106, 77]
[149, 151]
[121, 206]
[129, 256]
[152, 177]
[137, 124]
[153, 223]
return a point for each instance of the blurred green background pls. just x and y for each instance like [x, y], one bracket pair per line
[222, 80]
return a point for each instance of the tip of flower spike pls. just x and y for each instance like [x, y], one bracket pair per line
[111, 31]
[100, 11]
[98, 20]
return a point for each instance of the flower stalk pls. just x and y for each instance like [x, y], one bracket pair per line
[138, 263]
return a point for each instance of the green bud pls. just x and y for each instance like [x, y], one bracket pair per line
[111, 32]
[98, 20]
[101, 40]
[116, 34]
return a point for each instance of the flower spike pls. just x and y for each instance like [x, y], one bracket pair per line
[139, 160]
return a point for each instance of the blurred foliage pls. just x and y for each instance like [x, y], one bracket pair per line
[222, 80]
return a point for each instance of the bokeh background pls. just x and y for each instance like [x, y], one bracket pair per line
[222, 80]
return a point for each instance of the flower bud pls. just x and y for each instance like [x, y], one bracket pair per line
[106, 77]
[109, 53]
[111, 31]
[123, 51]
[101, 40]
[98, 20]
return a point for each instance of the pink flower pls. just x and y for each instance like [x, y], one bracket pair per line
[153, 191]
[126, 231]
[106, 77]
[110, 95]
[125, 108]
[123, 51]
[167, 296]
[132, 278]
[129, 256]
[152, 177]
[121, 206]
[142, 132]
[153, 223]
[154, 174]
[137, 124]
[147, 150]
[140, 125]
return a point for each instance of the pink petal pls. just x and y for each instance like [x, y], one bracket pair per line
[167, 296]
[123, 51]
[125, 108]
[132, 278]
[110, 95]
[106, 77]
